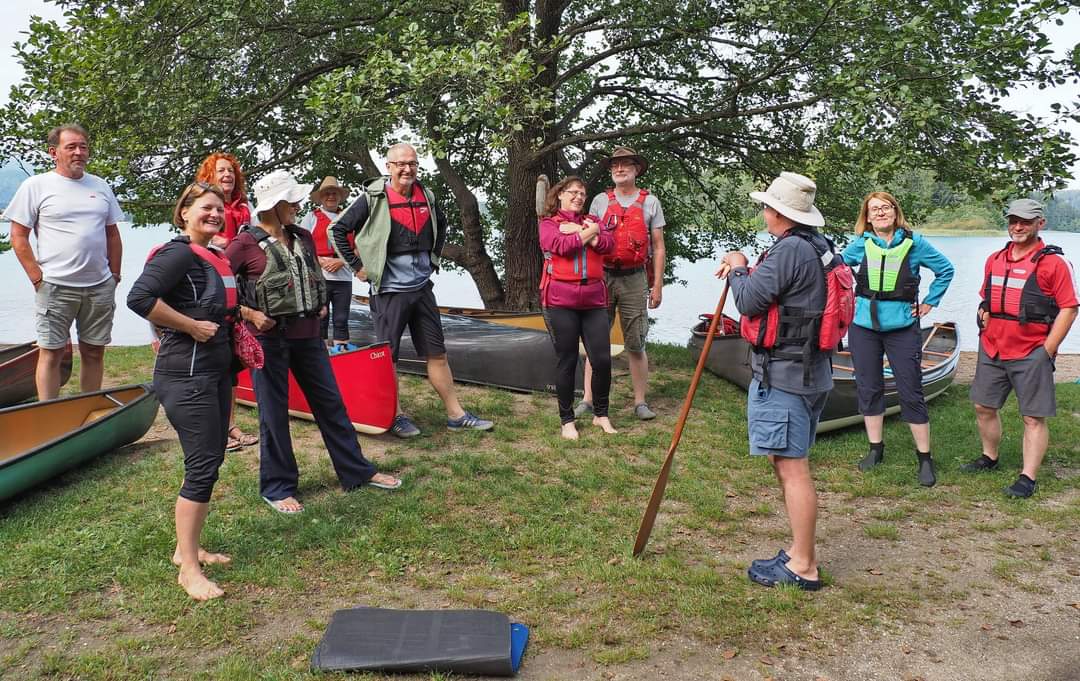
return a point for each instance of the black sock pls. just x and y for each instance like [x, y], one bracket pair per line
[878, 447]
[1031, 480]
[922, 456]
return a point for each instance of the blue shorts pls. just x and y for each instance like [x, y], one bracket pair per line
[782, 423]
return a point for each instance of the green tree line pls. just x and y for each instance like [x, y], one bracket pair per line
[851, 92]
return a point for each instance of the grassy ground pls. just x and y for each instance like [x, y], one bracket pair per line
[520, 521]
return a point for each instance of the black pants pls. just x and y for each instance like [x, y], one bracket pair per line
[566, 327]
[903, 347]
[310, 366]
[198, 409]
[340, 298]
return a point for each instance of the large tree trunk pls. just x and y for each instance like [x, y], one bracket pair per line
[520, 235]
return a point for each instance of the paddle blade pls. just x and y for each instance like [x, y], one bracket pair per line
[653, 507]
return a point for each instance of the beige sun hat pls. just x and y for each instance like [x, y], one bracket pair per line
[792, 195]
[278, 186]
[329, 183]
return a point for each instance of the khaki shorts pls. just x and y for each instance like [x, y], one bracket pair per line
[630, 294]
[90, 307]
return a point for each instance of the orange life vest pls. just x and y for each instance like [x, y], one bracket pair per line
[631, 233]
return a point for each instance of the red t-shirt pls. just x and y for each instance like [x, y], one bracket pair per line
[1006, 339]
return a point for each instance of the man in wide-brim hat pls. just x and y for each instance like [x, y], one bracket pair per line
[789, 387]
[634, 271]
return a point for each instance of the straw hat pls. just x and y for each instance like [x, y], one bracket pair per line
[329, 183]
[629, 154]
[792, 195]
[278, 186]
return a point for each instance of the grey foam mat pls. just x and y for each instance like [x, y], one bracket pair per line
[460, 641]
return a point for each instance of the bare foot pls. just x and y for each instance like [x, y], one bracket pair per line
[205, 558]
[287, 505]
[569, 431]
[198, 586]
[384, 481]
[604, 423]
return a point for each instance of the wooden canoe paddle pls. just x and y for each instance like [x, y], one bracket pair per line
[651, 509]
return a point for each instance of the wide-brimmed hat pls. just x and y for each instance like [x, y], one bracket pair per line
[279, 185]
[628, 154]
[1025, 209]
[792, 195]
[329, 183]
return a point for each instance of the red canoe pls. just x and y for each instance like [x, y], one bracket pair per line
[367, 382]
[18, 363]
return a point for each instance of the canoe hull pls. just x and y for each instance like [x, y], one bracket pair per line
[367, 383]
[18, 364]
[121, 426]
[479, 352]
[729, 358]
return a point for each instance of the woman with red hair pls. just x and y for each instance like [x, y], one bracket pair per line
[223, 170]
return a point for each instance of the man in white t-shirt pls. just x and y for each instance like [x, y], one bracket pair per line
[73, 216]
[634, 271]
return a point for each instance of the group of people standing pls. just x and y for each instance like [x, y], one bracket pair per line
[289, 285]
[1028, 305]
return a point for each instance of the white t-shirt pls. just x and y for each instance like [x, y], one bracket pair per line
[308, 223]
[654, 213]
[68, 218]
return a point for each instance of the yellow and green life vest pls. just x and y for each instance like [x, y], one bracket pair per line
[886, 274]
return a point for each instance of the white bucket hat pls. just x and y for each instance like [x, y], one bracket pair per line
[279, 185]
[792, 195]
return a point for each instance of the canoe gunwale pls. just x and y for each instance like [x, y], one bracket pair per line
[148, 393]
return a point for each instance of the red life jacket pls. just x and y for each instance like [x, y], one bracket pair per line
[1011, 291]
[324, 247]
[221, 266]
[814, 330]
[237, 216]
[585, 266]
[631, 233]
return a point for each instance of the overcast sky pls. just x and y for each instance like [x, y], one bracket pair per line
[15, 20]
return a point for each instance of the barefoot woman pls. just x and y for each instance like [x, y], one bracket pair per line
[182, 291]
[574, 297]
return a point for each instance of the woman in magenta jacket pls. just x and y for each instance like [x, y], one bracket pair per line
[574, 297]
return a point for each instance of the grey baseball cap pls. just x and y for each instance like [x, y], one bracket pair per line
[1026, 209]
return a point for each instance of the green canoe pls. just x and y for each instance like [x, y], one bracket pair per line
[43, 439]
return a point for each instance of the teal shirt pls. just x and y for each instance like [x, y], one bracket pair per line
[896, 314]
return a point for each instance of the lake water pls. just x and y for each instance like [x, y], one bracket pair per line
[671, 321]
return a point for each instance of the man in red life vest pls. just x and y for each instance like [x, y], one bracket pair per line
[791, 382]
[634, 271]
[1028, 305]
[399, 231]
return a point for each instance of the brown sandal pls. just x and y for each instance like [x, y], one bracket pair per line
[238, 439]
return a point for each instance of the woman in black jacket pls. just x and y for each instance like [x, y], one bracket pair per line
[187, 291]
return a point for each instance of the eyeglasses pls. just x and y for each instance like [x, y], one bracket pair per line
[573, 192]
[880, 210]
[403, 164]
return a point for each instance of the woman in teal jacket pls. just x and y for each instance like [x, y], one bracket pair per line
[888, 256]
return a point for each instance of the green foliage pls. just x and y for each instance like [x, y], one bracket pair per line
[720, 95]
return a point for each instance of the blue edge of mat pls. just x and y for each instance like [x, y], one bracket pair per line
[519, 639]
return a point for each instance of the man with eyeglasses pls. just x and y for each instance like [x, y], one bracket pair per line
[1028, 306]
[634, 271]
[74, 217]
[399, 234]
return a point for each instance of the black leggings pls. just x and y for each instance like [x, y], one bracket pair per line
[339, 294]
[567, 326]
[198, 409]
